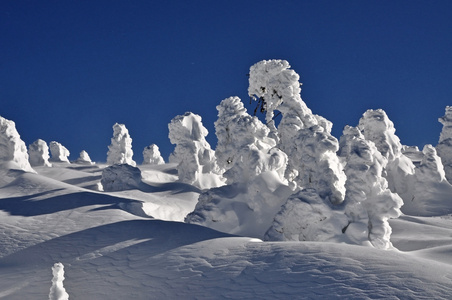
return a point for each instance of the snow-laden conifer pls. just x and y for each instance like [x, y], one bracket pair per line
[84, 158]
[57, 290]
[12, 148]
[444, 147]
[59, 152]
[38, 153]
[192, 154]
[305, 137]
[120, 149]
[152, 156]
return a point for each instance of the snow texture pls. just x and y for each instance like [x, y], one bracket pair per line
[194, 158]
[152, 156]
[305, 137]
[368, 201]
[57, 290]
[120, 149]
[120, 177]
[84, 158]
[38, 153]
[59, 152]
[444, 147]
[12, 148]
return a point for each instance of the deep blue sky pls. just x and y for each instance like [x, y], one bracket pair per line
[70, 69]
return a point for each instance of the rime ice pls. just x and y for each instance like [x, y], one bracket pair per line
[120, 149]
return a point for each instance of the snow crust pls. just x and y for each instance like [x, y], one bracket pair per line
[152, 156]
[444, 147]
[120, 177]
[196, 164]
[12, 148]
[57, 290]
[120, 149]
[38, 153]
[59, 152]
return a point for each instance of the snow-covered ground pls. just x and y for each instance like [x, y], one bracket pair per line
[133, 244]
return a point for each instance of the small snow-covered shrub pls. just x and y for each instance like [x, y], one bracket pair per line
[120, 177]
[152, 156]
[12, 148]
[120, 149]
[38, 153]
[59, 152]
[57, 290]
[195, 159]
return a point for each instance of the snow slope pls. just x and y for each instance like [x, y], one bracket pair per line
[132, 245]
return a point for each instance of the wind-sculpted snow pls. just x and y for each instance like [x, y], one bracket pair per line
[305, 138]
[120, 149]
[368, 201]
[152, 156]
[444, 147]
[12, 148]
[120, 177]
[38, 153]
[59, 152]
[194, 158]
[57, 290]
[84, 158]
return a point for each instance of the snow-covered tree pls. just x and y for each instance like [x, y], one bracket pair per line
[59, 152]
[38, 153]
[305, 137]
[192, 154]
[444, 147]
[255, 175]
[120, 177]
[120, 149]
[57, 290]
[12, 148]
[376, 127]
[368, 201]
[152, 156]
[84, 158]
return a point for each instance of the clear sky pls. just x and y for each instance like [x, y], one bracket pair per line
[70, 69]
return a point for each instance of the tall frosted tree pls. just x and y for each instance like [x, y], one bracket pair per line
[120, 149]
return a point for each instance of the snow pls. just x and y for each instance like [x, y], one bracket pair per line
[444, 146]
[120, 149]
[152, 156]
[300, 216]
[38, 153]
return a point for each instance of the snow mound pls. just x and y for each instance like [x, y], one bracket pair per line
[305, 137]
[120, 177]
[444, 147]
[38, 153]
[57, 290]
[368, 201]
[152, 156]
[84, 158]
[120, 149]
[12, 148]
[195, 159]
[59, 152]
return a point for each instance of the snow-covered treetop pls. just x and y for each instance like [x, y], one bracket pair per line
[38, 153]
[376, 126]
[84, 158]
[186, 127]
[152, 156]
[120, 149]
[446, 120]
[12, 148]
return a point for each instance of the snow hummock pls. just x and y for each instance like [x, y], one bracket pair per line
[120, 177]
[195, 159]
[59, 152]
[305, 137]
[444, 147]
[152, 156]
[84, 158]
[120, 149]
[12, 148]
[38, 153]
[57, 290]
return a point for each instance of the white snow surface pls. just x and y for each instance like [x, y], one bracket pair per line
[112, 250]
[12, 148]
[120, 149]
[38, 153]
[59, 152]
